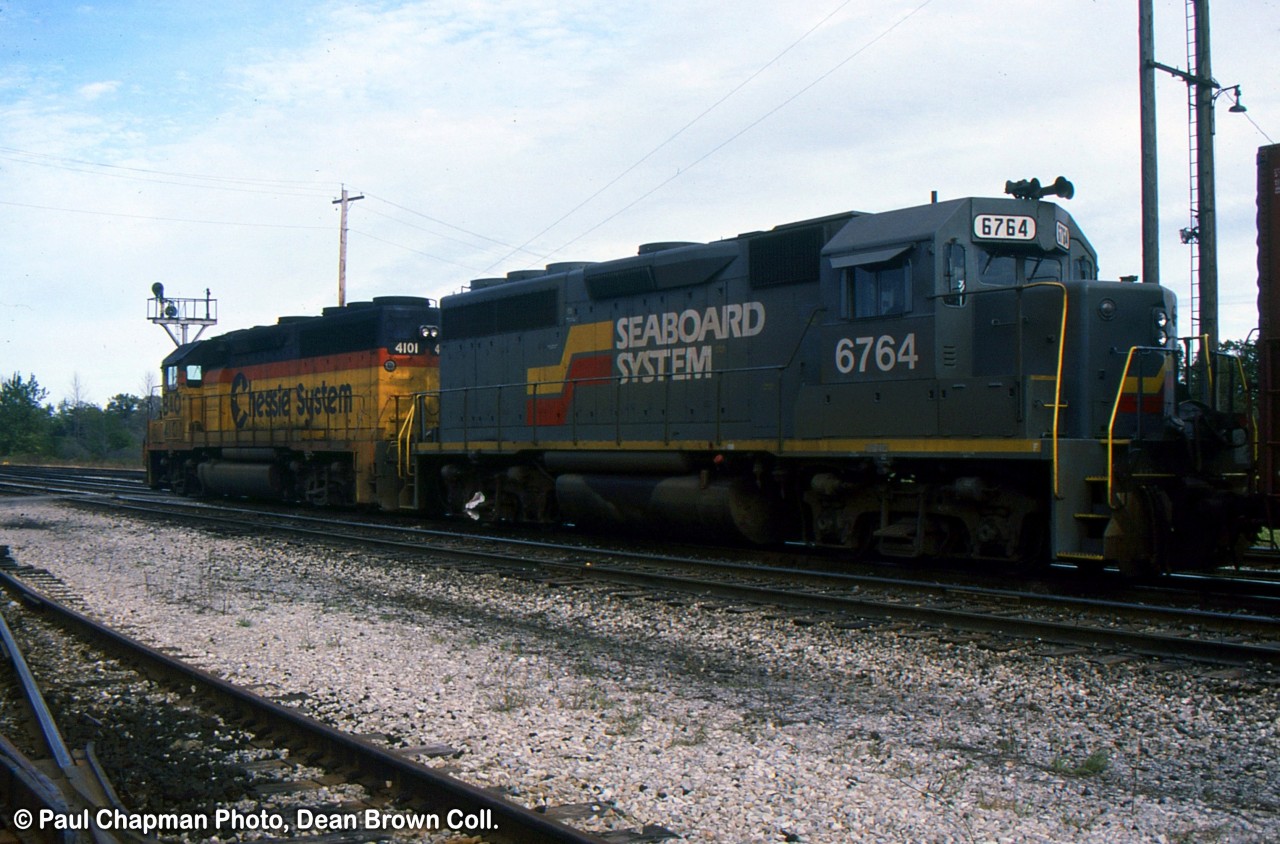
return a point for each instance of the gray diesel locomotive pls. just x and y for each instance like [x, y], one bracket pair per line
[945, 380]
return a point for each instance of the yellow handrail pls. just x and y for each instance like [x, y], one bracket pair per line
[404, 441]
[1249, 411]
[1207, 357]
[1111, 424]
[1115, 406]
[1057, 381]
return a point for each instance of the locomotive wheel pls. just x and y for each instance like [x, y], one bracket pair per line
[1138, 536]
[1033, 544]
[855, 534]
[185, 480]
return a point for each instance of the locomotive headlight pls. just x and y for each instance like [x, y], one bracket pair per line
[1107, 309]
[429, 331]
[1161, 323]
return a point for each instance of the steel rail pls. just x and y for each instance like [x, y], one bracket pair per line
[76, 786]
[513, 824]
[1202, 649]
[27, 787]
[49, 732]
[1206, 650]
[1197, 584]
[1242, 622]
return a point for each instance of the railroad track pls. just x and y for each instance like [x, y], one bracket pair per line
[1232, 620]
[1254, 587]
[1184, 633]
[23, 480]
[66, 783]
[394, 789]
[1259, 578]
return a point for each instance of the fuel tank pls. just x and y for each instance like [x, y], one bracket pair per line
[252, 480]
[689, 505]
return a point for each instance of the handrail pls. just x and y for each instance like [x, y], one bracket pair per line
[1057, 379]
[1209, 359]
[1111, 423]
[1251, 416]
[614, 380]
[1120, 391]
[404, 440]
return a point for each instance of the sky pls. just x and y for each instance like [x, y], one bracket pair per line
[202, 145]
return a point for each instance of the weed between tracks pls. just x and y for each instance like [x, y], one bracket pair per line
[1094, 764]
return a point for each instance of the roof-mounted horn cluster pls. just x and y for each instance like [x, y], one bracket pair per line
[1031, 189]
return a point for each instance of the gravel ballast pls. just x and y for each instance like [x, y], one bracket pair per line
[721, 725]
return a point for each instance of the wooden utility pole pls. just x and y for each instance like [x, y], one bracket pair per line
[342, 244]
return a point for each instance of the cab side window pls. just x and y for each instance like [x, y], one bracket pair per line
[955, 275]
[877, 290]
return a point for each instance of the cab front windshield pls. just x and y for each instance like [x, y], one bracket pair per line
[1007, 269]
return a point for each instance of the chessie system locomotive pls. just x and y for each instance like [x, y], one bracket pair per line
[944, 380]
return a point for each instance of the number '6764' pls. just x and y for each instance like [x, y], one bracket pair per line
[885, 353]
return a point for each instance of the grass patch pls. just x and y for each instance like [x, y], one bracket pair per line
[509, 701]
[1094, 764]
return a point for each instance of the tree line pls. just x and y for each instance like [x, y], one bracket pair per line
[74, 430]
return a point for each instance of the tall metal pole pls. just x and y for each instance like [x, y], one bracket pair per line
[1207, 220]
[1150, 175]
[1202, 236]
[344, 201]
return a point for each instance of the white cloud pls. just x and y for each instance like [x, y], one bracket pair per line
[97, 90]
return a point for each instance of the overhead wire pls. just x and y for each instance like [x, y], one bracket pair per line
[1261, 132]
[433, 256]
[161, 219]
[304, 188]
[444, 223]
[77, 165]
[709, 153]
[239, 184]
[675, 134]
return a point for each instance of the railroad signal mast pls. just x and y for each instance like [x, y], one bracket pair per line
[177, 316]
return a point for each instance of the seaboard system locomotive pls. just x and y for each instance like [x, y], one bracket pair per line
[300, 410]
[948, 380]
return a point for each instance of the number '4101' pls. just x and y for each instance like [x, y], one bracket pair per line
[885, 353]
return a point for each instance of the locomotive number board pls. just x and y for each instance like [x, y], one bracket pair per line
[1004, 227]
